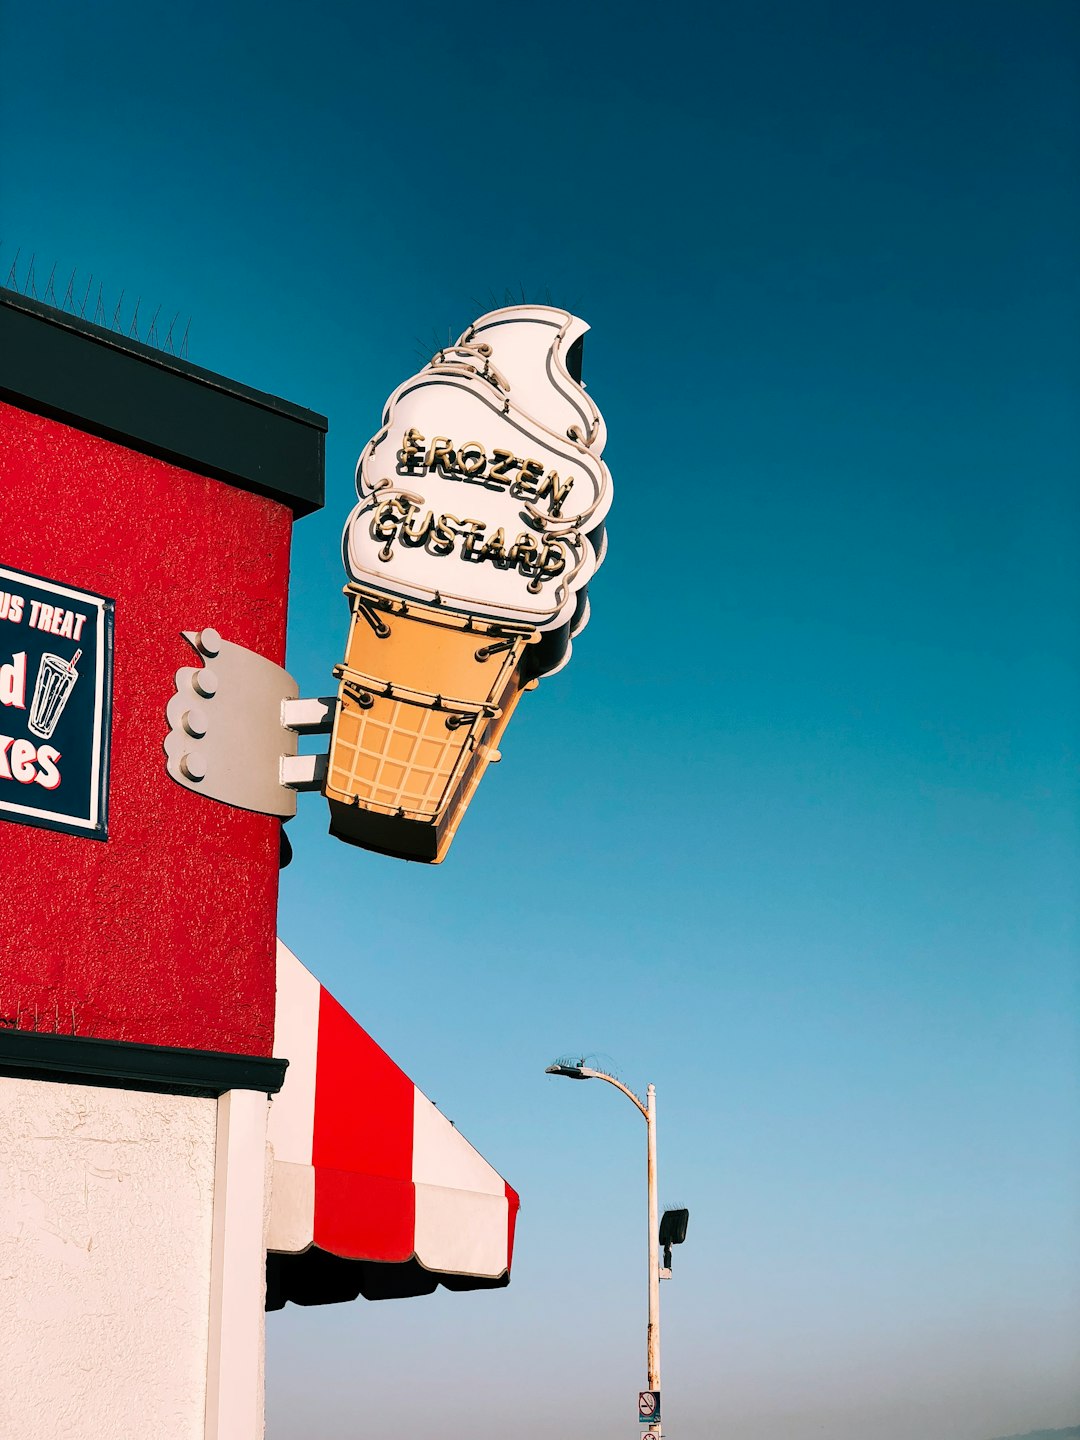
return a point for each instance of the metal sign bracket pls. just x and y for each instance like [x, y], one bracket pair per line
[234, 728]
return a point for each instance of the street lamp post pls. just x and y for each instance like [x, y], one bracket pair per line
[652, 1345]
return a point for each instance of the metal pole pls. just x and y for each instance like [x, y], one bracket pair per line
[581, 1071]
[653, 1346]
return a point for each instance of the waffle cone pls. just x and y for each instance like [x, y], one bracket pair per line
[423, 698]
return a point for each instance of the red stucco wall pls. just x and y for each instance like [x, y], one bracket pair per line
[164, 933]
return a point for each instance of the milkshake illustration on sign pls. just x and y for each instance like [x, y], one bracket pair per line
[480, 523]
[56, 679]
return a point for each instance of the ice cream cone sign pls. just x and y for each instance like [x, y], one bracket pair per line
[479, 525]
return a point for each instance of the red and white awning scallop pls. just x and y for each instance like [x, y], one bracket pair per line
[374, 1192]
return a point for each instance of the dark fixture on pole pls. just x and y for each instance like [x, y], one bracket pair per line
[572, 1072]
[673, 1225]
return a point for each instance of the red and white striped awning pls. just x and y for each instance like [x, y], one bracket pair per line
[374, 1191]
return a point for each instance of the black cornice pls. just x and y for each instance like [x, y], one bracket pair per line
[59, 365]
[124, 1065]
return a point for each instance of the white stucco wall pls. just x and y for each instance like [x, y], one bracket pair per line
[106, 1215]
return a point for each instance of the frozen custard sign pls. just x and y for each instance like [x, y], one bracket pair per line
[479, 524]
[55, 694]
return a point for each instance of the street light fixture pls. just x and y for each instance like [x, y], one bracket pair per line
[673, 1225]
[581, 1071]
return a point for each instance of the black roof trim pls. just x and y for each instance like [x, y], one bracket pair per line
[59, 365]
[125, 1065]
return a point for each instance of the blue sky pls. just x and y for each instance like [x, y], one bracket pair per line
[811, 864]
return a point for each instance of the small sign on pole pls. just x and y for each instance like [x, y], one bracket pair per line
[648, 1405]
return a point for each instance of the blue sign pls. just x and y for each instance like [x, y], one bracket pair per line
[56, 646]
[648, 1404]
